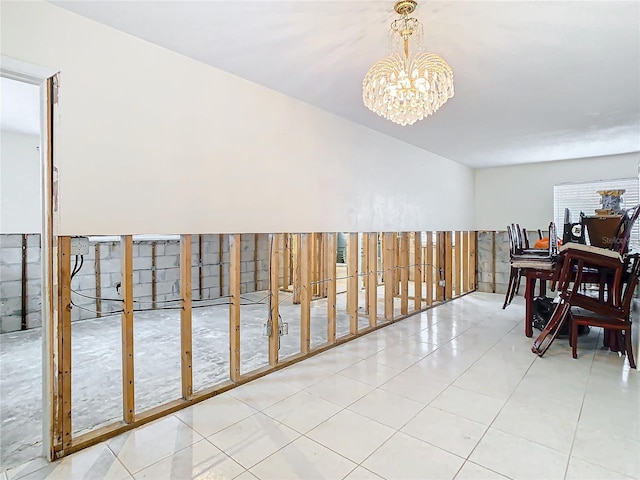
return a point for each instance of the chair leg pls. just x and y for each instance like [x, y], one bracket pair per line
[508, 292]
[516, 284]
[573, 339]
[629, 348]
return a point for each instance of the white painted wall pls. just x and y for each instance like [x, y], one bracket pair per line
[20, 205]
[149, 141]
[524, 193]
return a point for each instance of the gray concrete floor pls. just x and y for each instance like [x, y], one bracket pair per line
[97, 369]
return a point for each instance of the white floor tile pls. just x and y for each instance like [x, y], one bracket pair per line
[464, 403]
[263, 393]
[612, 417]
[144, 446]
[97, 462]
[215, 414]
[391, 357]
[407, 458]
[340, 390]
[612, 452]
[521, 421]
[582, 470]
[370, 372]
[361, 473]
[518, 458]
[302, 411]
[253, 439]
[332, 361]
[387, 408]
[445, 430]
[200, 461]
[300, 375]
[351, 435]
[303, 459]
[246, 476]
[471, 471]
[414, 385]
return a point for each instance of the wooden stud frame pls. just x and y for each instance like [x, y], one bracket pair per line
[438, 260]
[429, 265]
[448, 266]
[64, 342]
[352, 282]
[388, 272]
[275, 241]
[457, 263]
[65, 443]
[404, 273]
[329, 241]
[304, 258]
[126, 287]
[235, 248]
[372, 299]
[297, 284]
[465, 262]
[417, 271]
[185, 317]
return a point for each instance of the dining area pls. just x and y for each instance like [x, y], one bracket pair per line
[577, 277]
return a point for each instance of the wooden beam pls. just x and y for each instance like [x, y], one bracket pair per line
[438, 257]
[366, 280]
[185, 316]
[297, 284]
[313, 265]
[286, 261]
[465, 261]
[200, 266]
[274, 282]
[235, 249]
[473, 259]
[372, 298]
[493, 262]
[96, 269]
[23, 289]
[330, 252]
[255, 262]
[304, 260]
[448, 265]
[352, 282]
[396, 264]
[220, 264]
[153, 275]
[64, 340]
[430, 270]
[457, 263]
[404, 273]
[126, 287]
[417, 270]
[388, 270]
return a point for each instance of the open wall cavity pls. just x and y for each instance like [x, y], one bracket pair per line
[239, 306]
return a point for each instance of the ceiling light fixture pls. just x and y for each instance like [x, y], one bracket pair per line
[406, 87]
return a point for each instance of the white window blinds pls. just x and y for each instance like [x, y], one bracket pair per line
[583, 197]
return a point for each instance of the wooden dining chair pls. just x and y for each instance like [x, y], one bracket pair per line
[613, 315]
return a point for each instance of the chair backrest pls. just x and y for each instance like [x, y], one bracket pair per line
[632, 264]
[623, 233]
[525, 237]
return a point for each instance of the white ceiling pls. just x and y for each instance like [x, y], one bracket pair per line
[535, 80]
[19, 107]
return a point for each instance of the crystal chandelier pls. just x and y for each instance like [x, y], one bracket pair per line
[406, 87]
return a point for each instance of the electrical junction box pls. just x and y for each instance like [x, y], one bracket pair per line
[284, 329]
[79, 245]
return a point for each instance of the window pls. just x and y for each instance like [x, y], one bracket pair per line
[584, 197]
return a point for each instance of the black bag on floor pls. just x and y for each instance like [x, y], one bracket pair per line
[543, 308]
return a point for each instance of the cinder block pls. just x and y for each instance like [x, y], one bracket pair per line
[167, 261]
[33, 240]
[11, 272]
[172, 248]
[10, 289]
[110, 265]
[11, 256]
[145, 276]
[172, 274]
[144, 250]
[11, 323]
[142, 263]
[34, 320]
[10, 306]
[142, 290]
[11, 240]
[34, 286]
[159, 249]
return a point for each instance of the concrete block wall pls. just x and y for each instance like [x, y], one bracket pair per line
[254, 275]
[11, 282]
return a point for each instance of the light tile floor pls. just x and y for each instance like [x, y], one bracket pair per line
[454, 392]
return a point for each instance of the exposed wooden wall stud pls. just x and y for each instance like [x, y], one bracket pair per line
[388, 272]
[275, 241]
[417, 270]
[304, 260]
[64, 339]
[330, 252]
[352, 282]
[235, 248]
[126, 287]
[404, 273]
[185, 317]
[372, 299]
[457, 263]
[430, 269]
